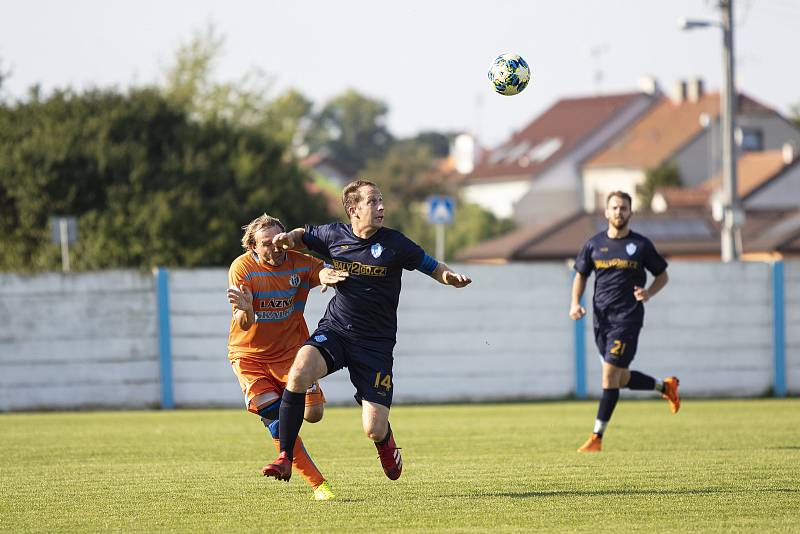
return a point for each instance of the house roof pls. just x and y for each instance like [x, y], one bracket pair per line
[684, 233]
[664, 130]
[550, 136]
[754, 170]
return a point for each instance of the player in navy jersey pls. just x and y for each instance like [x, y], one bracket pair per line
[619, 257]
[359, 328]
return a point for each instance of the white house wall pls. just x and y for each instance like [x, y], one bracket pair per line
[498, 198]
[558, 190]
[599, 182]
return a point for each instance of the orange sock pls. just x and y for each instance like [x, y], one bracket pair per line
[303, 463]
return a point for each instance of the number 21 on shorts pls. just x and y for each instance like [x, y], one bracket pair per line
[383, 380]
[618, 349]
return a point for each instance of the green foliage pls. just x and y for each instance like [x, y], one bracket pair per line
[352, 127]
[149, 185]
[717, 466]
[438, 143]
[665, 175]
[190, 84]
[407, 177]
[246, 102]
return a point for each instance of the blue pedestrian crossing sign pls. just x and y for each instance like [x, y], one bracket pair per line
[441, 210]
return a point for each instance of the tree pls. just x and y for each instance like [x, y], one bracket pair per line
[149, 185]
[246, 101]
[665, 175]
[408, 175]
[438, 143]
[352, 127]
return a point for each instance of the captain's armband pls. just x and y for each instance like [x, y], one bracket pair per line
[428, 265]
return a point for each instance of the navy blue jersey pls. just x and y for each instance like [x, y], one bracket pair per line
[365, 305]
[618, 265]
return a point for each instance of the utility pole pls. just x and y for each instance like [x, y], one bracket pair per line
[732, 212]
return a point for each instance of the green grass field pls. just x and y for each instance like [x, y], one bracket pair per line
[716, 466]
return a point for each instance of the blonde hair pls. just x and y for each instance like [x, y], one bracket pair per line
[350, 194]
[256, 225]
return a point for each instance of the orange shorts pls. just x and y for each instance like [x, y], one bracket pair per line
[263, 382]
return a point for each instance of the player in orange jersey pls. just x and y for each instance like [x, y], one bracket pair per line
[268, 288]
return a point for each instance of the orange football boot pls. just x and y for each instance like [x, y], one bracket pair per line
[593, 444]
[671, 393]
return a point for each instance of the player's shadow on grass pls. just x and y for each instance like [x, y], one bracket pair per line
[601, 493]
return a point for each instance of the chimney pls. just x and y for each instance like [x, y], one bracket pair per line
[788, 153]
[649, 85]
[679, 92]
[695, 90]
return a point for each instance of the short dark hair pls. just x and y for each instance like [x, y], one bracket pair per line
[350, 194]
[619, 194]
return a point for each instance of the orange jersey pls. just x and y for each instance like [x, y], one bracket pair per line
[279, 298]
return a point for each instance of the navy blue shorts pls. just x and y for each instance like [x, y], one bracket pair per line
[617, 343]
[370, 369]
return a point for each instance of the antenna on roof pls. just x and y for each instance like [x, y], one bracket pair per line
[596, 52]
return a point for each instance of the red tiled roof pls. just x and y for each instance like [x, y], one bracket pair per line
[684, 197]
[753, 170]
[681, 233]
[567, 122]
[663, 130]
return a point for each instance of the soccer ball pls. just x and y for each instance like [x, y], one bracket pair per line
[509, 74]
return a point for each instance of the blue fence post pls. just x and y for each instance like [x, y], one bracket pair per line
[164, 338]
[779, 329]
[580, 357]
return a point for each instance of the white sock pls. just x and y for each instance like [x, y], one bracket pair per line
[600, 426]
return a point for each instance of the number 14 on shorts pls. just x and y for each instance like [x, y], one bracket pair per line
[383, 380]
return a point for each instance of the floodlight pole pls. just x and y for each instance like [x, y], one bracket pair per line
[731, 244]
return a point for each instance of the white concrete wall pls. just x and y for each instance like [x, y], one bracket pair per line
[711, 327]
[91, 340]
[81, 340]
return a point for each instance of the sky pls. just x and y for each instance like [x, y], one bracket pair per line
[426, 59]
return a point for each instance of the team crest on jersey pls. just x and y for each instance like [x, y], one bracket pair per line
[320, 338]
[376, 250]
[630, 248]
[294, 281]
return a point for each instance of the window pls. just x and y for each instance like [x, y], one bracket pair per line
[750, 139]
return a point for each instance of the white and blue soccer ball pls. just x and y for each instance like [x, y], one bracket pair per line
[509, 74]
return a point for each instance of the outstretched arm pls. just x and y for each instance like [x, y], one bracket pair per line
[576, 311]
[291, 239]
[444, 275]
